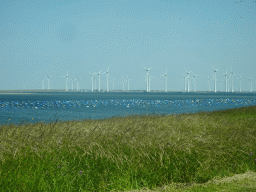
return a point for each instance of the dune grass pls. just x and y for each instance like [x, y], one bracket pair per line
[128, 153]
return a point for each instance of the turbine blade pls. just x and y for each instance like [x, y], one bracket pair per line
[144, 67]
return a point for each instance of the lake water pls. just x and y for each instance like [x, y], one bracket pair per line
[43, 106]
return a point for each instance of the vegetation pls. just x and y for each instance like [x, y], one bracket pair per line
[128, 153]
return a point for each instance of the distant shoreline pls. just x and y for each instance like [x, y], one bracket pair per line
[13, 93]
[103, 91]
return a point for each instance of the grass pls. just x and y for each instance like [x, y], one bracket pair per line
[158, 152]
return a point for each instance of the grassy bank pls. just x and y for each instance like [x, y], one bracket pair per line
[127, 153]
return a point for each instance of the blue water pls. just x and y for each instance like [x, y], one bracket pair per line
[35, 107]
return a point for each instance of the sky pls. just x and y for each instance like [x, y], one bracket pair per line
[48, 38]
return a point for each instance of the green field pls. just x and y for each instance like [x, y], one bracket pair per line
[206, 151]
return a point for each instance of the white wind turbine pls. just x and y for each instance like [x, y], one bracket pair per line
[77, 84]
[228, 81]
[215, 70]
[165, 75]
[232, 74]
[95, 80]
[147, 76]
[184, 82]
[123, 81]
[209, 81]
[48, 79]
[128, 87]
[66, 81]
[251, 84]
[194, 80]
[220, 86]
[188, 77]
[226, 78]
[107, 78]
[99, 79]
[240, 82]
[92, 77]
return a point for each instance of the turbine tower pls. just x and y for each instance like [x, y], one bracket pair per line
[43, 83]
[209, 81]
[77, 84]
[220, 86]
[66, 81]
[165, 75]
[107, 78]
[128, 87]
[92, 77]
[215, 88]
[48, 79]
[184, 83]
[48, 83]
[228, 81]
[226, 78]
[194, 80]
[147, 76]
[188, 77]
[240, 82]
[232, 81]
[251, 84]
[99, 79]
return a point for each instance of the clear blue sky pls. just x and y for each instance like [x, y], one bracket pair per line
[50, 37]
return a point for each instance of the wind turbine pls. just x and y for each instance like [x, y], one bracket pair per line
[66, 81]
[220, 86]
[92, 77]
[184, 83]
[165, 75]
[251, 84]
[232, 81]
[226, 78]
[209, 81]
[77, 84]
[228, 81]
[95, 80]
[128, 83]
[240, 82]
[215, 70]
[107, 78]
[188, 77]
[147, 76]
[48, 79]
[99, 79]
[194, 80]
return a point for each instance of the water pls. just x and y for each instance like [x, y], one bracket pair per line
[36, 106]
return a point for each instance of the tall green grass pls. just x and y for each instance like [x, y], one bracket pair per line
[126, 153]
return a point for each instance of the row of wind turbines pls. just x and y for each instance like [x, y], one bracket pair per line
[227, 80]
[186, 77]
